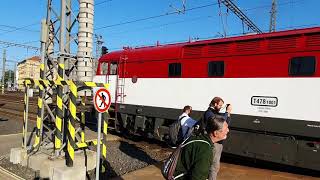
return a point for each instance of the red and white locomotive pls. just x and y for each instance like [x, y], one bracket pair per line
[272, 80]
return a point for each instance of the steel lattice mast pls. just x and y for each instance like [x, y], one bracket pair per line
[273, 12]
[58, 32]
[230, 5]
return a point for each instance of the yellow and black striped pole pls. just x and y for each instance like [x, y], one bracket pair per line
[71, 141]
[25, 117]
[59, 112]
[83, 120]
[39, 119]
[41, 89]
[104, 144]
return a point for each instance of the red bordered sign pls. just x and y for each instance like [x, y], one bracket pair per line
[102, 100]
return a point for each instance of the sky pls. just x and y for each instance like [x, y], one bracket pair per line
[145, 22]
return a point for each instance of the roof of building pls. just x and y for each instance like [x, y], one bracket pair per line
[34, 59]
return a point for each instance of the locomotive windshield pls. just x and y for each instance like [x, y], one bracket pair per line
[113, 68]
[107, 68]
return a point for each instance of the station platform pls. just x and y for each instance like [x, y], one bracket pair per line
[227, 172]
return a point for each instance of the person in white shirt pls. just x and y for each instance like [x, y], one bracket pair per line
[186, 121]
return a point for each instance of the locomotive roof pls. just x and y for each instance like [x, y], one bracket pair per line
[172, 51]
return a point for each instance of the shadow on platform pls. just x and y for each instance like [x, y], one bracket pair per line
[135, 152]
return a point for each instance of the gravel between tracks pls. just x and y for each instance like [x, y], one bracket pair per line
[12, 125]
[123, 156]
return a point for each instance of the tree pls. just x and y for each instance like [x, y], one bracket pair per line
[8, 73]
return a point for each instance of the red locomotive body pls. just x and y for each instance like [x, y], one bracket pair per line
[272, 80]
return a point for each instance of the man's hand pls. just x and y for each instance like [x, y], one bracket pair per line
[229, 109]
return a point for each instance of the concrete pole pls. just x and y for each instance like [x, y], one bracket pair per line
[9, 79]
[14, 76]
[3, 69]
[85, 43]
[26, 103]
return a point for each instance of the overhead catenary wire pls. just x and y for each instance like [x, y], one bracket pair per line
[187, 9]
[198, 18]
[23, 28]
[102, 2]
[290, 2]
[153, 17]
[19, 28]
[162, 25]
[9, 44]
[97, 4]
[166, 14]
[15, 28]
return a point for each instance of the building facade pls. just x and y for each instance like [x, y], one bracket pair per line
[28, 68]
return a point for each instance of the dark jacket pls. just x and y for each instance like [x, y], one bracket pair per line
[211, 112]
[195, 159]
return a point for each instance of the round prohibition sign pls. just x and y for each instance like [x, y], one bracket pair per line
[102, 100]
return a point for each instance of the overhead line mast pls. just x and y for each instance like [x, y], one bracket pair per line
[230, 5]
[273, 16]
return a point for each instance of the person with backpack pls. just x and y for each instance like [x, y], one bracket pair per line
[181, 128]
[186, 121]
[196, 154]
[215, 108]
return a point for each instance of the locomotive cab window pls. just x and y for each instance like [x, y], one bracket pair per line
[113, 68]
[175, 70]
[215, 68]
[302, 66]
[104, 68]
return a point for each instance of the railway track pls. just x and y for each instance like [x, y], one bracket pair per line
[12, 106]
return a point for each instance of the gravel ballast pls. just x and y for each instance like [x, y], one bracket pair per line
[123, 156]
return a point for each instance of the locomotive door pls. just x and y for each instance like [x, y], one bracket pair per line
[113, 73]
[109, 74]
[120, 85]
[120, 70]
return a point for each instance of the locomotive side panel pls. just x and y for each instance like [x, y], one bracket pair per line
[272, 83]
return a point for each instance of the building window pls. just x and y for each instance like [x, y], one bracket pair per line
[302, 66]
[175, 70]
[215, 68]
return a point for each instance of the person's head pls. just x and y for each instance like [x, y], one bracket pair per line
[216, 103]
[187, 109]
[217, 127]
